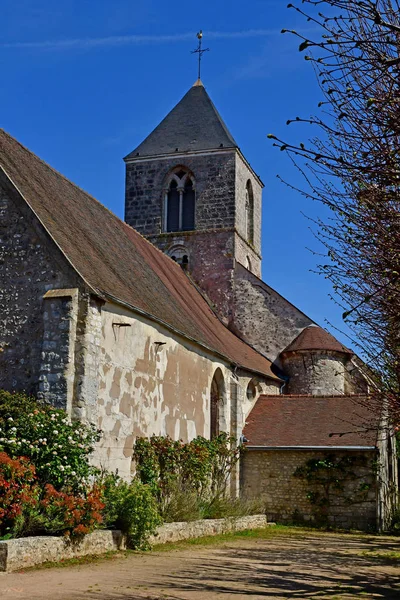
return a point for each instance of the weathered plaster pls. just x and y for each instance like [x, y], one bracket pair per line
[152, 382]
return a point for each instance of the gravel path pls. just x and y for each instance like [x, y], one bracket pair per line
[318, 566]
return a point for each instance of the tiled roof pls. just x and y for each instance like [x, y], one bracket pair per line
[316, 338]
[115, 260]
[312, 421]
[194, 124]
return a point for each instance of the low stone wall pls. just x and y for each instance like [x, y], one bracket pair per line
[174, 532]
[27, 552]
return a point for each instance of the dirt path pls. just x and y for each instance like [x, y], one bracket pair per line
[311, 565]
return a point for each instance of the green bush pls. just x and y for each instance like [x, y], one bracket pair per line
[130, 507]
[202, 465]
[58, 449]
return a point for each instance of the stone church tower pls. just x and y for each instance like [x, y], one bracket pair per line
[191, 192]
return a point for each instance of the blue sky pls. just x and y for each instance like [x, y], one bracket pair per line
[84, 82]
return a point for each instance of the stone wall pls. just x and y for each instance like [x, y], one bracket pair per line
[174, 532]
[219, 237]
[269, 475]
[243, 175]
[210, 263]
[214, 178]
[31, 264]
[316, 373]
[57, 369]
[23, 553]
[264, 318]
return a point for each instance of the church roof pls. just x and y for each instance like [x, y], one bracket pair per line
[312, 421]
[194, 124]
[116, 261]
[316, 338]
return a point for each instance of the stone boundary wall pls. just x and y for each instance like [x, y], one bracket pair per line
[27, 552]
[174, 532]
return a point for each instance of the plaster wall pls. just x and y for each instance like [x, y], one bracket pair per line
[153, 382]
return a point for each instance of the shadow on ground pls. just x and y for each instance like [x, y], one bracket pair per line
[306, 567]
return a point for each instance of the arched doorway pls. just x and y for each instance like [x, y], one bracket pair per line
[217, 395]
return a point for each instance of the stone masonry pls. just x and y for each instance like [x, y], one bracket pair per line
[219, 238]
[269, 475]
[29, 269]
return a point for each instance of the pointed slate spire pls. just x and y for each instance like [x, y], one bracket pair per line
[194, 124]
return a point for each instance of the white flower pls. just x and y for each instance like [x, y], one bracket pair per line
[62, 468]
[48, 464]
[2, 439]
[73, 442]
[30, 446]
[55, 453]
[55, 432]
[65, 457]
[73, 473]
[10, 419]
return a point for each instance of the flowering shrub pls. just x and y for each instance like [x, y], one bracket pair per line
[18, 494]
[58, 448]
[130, 507]
[26, 509]
[70, 514]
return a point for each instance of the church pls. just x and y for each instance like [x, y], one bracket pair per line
[161, 324]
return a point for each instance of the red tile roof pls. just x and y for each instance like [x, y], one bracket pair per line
[115, 260]
[312, 421]
[316, 338]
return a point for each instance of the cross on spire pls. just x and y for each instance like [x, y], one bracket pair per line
[199, 50]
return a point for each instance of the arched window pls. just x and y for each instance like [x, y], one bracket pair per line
[179, 207]
[217, 395]
[249, 208]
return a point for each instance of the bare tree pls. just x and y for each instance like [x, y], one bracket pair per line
[353, 167]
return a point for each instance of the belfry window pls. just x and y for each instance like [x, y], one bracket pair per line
[179, 207]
